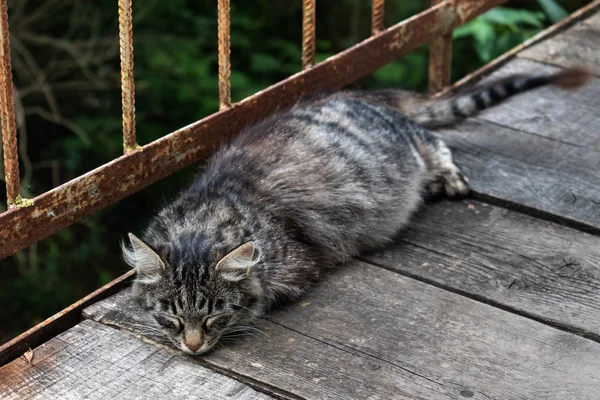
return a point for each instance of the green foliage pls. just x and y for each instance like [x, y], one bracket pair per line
[66, 73]
[553, 10]
[501, 29]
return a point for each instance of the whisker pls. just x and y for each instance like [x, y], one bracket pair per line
[148, 330]
[246, 330]
[245, 308]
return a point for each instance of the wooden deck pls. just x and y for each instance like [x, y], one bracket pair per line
[495, 297]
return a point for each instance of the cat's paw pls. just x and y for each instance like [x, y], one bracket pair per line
[451, 184]
[436, 189]
[456, 185]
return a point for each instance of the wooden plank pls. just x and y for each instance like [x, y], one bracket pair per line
[94, 361]
[577, 46]
[292, 364]
[547, 178]
[569, 116]
[535, 267]
[365, 330]
[538, 151]
[59, 322]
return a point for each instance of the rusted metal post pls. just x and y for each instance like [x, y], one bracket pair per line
[308, 33]
[377, 24]
[127, 83]
[7, 105]
[440, 59]
[224, 52]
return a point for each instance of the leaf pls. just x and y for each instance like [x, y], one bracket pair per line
[553, 10]
[29, 356]
[512, 17]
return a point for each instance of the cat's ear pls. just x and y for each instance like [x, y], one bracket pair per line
[236, 265]
[147, 263]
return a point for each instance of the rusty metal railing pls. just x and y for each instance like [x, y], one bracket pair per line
[377, 14]
[26, 222]
[440, 59]
[224, 50]
[309, 19]
[7, 113]
[127, 84]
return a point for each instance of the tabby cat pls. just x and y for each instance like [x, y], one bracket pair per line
[303, 191]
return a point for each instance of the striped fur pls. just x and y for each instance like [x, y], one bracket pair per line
[291, 197]
[434, 113]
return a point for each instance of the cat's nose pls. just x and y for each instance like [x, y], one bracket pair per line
[192, 339]
[193, 346]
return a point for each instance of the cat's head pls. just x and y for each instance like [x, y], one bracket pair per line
[195, 302]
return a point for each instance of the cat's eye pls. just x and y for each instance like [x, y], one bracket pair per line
[208, 322]
[168, 322]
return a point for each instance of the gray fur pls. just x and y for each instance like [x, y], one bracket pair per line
[291, 197]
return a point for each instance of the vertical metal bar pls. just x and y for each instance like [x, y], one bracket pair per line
[127, 83]
[7, 113]
[224, 53]
[377, 24]
[308, 33]
[440, 60]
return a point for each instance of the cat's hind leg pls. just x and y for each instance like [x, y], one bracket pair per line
[445, 178]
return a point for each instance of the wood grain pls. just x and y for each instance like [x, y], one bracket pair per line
[546, 176]
[539, 150]
[578, 46]
[567, 116]
[94, 361]
[292, 364]
[366, 332]
[536, 268]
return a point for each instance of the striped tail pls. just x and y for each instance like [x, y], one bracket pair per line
[446, 111]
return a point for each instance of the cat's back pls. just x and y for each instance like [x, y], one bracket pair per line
[332, 140]
[335, 169]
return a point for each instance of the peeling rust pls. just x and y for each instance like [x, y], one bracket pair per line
[131, 172]
[467, 10]
[7, 114]
[440, 53]
[440, 56]
[22, 202]
[401, 39]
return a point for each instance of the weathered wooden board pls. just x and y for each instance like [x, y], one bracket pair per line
[291, 363]
[366, 332]
[544, 175]
[566, 116]
[577, 46]
[535, 267]
[94, 361]
[538, 150]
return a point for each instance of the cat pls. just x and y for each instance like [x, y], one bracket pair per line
[295, 195]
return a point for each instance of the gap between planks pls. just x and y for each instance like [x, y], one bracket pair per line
[482, 299]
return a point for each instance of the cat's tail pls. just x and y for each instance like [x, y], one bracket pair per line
[446, 111]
